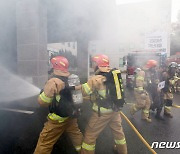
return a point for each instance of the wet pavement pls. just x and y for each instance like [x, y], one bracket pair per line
[19, 131]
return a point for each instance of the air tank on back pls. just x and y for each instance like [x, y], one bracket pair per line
[73, 80]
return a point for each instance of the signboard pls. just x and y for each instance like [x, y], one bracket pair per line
[156, 41]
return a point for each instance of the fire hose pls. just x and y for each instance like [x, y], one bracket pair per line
[138, 134]
[176, 106]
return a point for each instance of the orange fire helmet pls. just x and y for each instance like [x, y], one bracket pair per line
[101, 60]
[151, 64]
[60, 63]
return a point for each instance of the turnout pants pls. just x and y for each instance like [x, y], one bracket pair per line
[142, 103]
[53, 130]
[96, 125]
[168, 101]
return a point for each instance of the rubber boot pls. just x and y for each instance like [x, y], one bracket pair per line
[167, 112]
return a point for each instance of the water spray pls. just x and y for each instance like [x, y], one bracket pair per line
[17, 110]
[15, 88]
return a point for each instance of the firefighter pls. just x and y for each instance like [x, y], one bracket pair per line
[178, 70]
[177, 84]
[153, 79]
[178, 74]
[58, 119]
[141, 96]
[161, 70]
[170, 81]
[103, 113]
[137, 70]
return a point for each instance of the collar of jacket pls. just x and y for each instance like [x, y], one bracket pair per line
[103, 69]
[60, 73]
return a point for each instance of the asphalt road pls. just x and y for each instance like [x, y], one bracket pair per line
[19, 131]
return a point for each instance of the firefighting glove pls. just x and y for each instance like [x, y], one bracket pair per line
[53, 86]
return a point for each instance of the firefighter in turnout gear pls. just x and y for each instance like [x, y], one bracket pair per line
[177, 84]
[170, 81]
[105, 112]
[143, 101]
[59, 119]
[152, 77]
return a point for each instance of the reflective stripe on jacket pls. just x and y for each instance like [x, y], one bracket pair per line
[102, 93]
[88, 147]
[44, 98]
[55, 117]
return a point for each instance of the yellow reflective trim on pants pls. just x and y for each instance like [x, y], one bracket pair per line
[88, 146]
[44, 98]
[118, 89]
[78, 148]
[54, 116]
[146, 111]
[140, 78]
[167, 107]
[102, 109]
[123, 141]
[87, 88]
